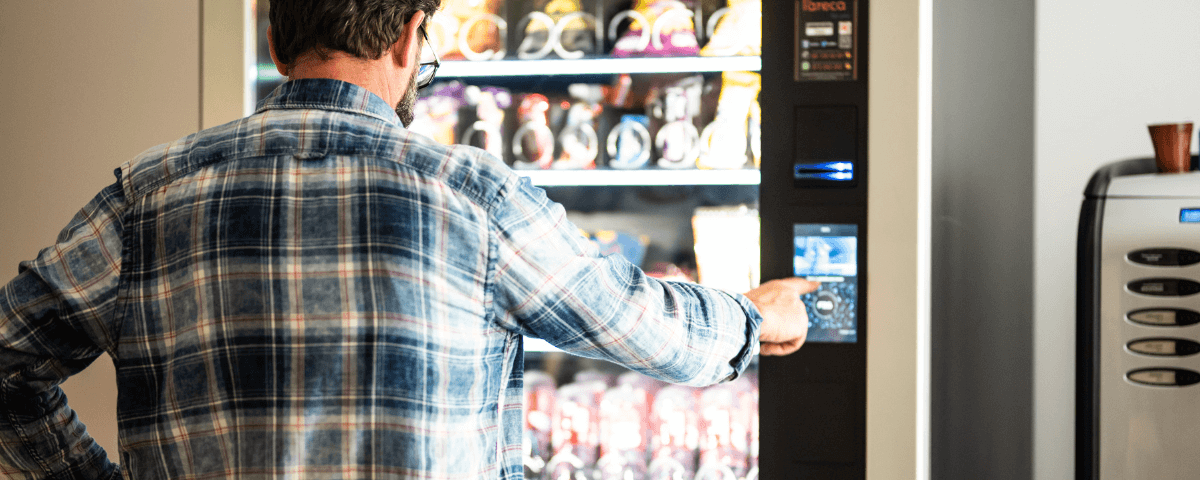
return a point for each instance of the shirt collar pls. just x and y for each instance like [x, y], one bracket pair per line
[328, 94]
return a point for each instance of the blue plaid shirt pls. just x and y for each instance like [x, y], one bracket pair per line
[315, 292]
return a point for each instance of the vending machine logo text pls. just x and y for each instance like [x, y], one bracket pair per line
[820, 6]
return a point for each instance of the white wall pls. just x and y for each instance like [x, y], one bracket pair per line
[85, 87]
[1105, 69]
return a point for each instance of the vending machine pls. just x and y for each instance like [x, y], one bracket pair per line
[722, 142]
[1137, 392]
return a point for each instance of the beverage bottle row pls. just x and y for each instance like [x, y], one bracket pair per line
[631, 427]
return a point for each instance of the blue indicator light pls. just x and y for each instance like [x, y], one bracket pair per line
[839, 171]
[1189, 215]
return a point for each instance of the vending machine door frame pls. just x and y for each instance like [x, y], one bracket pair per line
[813, 402]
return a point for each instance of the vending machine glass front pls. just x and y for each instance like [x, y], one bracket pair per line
[642, 118]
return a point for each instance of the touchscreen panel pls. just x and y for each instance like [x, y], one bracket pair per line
[828, 253]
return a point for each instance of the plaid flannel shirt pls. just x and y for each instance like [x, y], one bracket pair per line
[315, 292]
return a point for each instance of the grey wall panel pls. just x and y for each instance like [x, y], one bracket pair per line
[982, 360]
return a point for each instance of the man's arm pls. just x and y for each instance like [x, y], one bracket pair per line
[555, 286]
[54, 323]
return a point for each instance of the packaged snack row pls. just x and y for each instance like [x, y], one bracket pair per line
[631, 427]
[479, 30]
[672, 124]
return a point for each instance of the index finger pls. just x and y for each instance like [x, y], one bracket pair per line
[801, 285]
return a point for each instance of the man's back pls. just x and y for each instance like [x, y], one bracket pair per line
[311, 282]
[313, 291]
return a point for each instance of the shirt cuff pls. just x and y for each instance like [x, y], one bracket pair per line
[753, 321]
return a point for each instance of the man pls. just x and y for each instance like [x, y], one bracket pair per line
[315, 292]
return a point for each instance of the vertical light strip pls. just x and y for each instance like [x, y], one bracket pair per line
[250, 55]
[924, 238]
[200, 58]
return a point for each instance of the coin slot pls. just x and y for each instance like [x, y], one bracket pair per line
[1164, 317]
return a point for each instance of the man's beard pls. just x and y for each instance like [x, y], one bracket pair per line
[405, 108]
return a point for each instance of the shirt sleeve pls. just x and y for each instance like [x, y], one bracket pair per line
[551, 283]
[55, 319]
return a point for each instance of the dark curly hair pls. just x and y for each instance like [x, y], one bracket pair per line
[363, 28]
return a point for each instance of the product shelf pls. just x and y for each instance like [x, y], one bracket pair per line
[584, 66]
[649, 177]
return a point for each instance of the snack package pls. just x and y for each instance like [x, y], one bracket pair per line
[724, 433]
[726, 142]
[624, 417]
[756, 133]
[676, 107]
[468, 30]
[560, 26]
[487, 131]
[642, 382]
[539, 410]
[578, 142]
[533, 142]
[591, 375]
[674, 434]
[749, 401]
[632, 247]
[575, 427]
[435, 113]
[670, 271]
[629, 144]
[735, 30]
[566, 465]
[656, 28]
[727, 247]
[616, 466]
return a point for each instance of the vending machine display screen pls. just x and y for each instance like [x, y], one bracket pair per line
[828, 253]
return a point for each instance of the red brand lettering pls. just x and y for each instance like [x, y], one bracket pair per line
[824, 6]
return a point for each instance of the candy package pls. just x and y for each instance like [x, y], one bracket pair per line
[629, 144]
[735, 30]
[487, 129]
[655, 28]
[564, 27]
[675, 108]
[436, 112]
[578, 141]
[533, 142]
